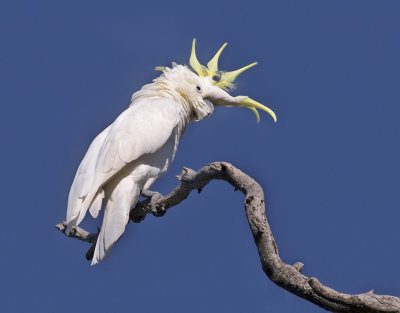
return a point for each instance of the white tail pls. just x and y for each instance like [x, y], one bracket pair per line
[121, 196]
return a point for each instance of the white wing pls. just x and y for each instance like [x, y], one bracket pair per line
[141, 129]
[84, 178]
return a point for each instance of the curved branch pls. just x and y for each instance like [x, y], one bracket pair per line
[284, 275]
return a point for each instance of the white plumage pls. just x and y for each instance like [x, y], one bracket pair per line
[138, 147]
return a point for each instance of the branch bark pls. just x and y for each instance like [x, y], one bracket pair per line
[284, 275]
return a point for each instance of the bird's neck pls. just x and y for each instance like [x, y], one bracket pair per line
[159, 89]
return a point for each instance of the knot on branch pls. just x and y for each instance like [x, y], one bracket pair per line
[186, 175]
[298, 266]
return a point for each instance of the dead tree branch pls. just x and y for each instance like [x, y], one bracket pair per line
[284, 275]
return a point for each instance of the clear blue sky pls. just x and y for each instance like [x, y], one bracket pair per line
[330, 166]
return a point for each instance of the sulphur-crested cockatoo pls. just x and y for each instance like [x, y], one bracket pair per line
[126, 158]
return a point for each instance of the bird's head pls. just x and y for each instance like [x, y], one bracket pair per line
[207, 86]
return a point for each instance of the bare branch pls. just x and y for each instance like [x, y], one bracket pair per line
[78, 233]
[284, 275]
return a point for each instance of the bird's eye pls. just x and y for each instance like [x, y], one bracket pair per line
[198, 88]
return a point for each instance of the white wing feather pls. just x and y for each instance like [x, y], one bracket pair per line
[141, 129]
[84, 178]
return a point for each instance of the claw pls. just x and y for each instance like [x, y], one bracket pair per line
[158, 211]
[154, 197]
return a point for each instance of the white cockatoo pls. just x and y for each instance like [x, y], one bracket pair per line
[125, 159]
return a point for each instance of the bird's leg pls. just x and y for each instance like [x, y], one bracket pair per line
[154, 196]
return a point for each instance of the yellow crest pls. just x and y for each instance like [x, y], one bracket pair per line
[226, 79]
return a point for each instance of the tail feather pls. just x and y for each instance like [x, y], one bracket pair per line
[116, 216]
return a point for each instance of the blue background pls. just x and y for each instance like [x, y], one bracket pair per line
[330, 166]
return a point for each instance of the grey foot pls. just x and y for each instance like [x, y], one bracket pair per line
[154, 197]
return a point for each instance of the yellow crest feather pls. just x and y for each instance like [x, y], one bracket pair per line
[226, 79]
[161, 68]
[213, 64]
[194, 63]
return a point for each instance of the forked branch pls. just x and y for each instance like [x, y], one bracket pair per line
[284, 275]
